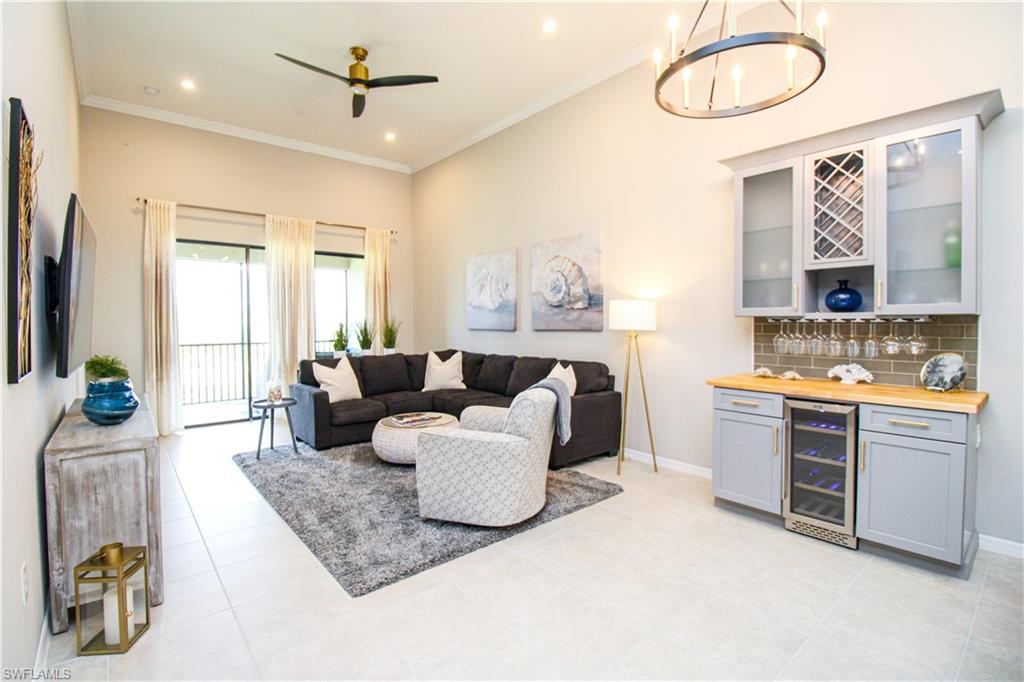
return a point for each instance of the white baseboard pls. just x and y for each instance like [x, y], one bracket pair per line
[44, 642]
[987, 542]
[1001, 546]
[670, 464]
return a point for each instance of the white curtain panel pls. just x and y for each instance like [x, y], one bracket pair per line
[160, 326]
[290, 274]
[377, 254]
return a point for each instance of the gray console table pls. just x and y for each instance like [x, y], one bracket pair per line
[102, 485]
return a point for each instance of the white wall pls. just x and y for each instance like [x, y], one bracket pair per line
[37, 68]
[124, 157]
[609, 159]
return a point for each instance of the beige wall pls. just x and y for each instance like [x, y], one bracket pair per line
[609, 159]
[37, 68]
[124, 157]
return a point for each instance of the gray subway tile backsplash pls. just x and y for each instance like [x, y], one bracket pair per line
[944, 333]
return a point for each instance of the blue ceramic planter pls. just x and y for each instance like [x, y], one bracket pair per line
[844, 299]
[109, 402]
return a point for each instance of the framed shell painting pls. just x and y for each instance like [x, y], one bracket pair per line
[566, 289]
[21, 207]
[491, 290]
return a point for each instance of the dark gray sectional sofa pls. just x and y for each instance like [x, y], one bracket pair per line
[391, 384]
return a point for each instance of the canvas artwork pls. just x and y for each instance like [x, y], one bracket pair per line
[566, 288]
[491, 291]
[22, 192]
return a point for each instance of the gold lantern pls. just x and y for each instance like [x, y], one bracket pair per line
[115, 570]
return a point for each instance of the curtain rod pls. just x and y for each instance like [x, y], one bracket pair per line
[260, 215]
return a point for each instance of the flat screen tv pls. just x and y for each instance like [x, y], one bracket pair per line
[74, 283]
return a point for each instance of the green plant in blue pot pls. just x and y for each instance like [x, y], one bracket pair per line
[110, 398]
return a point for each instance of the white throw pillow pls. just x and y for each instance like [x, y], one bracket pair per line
[566, 374]
[340, 382]
[447, 374]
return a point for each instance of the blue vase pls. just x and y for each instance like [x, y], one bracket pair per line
[109, 402]
[844, 299]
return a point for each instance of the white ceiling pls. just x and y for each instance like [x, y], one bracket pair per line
[496, 66]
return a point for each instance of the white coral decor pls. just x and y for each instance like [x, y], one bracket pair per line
[851, 374]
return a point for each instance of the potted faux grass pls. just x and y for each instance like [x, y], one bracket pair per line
[389, 335]
[341, 341]
[110, 398]
[364, 336]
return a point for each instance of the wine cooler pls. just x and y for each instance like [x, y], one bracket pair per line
[819, 476]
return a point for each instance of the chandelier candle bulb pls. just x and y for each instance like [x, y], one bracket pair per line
[687, 75]
[822, 20]
[673, 24]
[790, 66]
[732, 17]
[656, 58]
[737, 74]
[799, 16]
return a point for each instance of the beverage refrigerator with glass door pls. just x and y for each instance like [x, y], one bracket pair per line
[819, 478]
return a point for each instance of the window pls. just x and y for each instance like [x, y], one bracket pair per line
[340, 297]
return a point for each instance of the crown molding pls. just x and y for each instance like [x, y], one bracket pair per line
[602, 73]
[243, 133]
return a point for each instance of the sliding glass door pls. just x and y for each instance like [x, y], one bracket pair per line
[224, 323]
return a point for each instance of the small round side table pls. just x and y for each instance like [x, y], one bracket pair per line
[267, 406]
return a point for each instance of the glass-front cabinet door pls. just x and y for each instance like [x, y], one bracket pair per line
[927, 189]
[767, 240]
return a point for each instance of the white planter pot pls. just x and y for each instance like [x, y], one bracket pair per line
[340, 353]
[389, 351]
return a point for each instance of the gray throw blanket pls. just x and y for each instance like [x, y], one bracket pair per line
[563, 407]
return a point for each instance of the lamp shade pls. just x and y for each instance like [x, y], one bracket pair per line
[633, 315]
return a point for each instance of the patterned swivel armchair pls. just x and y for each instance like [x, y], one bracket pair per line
[493, 470]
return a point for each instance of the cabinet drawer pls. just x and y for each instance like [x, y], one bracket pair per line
[947, 426]
[764, 404]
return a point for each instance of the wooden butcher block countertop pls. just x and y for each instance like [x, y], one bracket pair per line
[967, 402]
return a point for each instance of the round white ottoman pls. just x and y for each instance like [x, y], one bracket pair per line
[397, 444]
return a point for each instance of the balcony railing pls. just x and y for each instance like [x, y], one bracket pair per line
[220, 372]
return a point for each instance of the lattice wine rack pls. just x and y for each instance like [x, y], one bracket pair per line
[837, 225]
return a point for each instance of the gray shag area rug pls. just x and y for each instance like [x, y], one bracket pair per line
[360, 516]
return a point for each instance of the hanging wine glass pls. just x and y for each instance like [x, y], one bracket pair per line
[916, 344]
[836, 343]
[798, 342]
[780, 343]
[853, 343]
[817, 341]
[891, 342]
[871, 343]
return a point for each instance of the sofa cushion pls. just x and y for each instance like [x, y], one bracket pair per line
[591, 377]
[526, 371]
[454, 401]
[340, 382]
[566, 374]
[356, 411]
[306, 370]
[406, 401]
[495, 371]
[442, 374]
[384, 374]
[417, 368]
[471, 363]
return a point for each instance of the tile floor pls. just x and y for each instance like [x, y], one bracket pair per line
[654, 583]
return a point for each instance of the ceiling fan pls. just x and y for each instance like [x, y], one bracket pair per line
[359, 81]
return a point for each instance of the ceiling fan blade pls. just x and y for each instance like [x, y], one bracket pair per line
[358, 104]
[304, 65]
[391, 81]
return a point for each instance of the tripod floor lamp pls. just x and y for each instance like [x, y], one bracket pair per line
[633, 316]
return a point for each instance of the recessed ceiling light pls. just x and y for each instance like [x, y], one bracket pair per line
[549, 26]
[188, 84]
[390, 137]
[150, 90]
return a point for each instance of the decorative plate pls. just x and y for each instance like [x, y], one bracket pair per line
[944, 372]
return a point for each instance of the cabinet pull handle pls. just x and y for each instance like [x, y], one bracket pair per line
[879, 299]
[785, 466]
[910, 422]
[746, 403]
[775, 440]
[796, 297]
[863, 454]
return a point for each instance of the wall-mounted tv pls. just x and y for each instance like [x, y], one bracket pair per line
[71, 283]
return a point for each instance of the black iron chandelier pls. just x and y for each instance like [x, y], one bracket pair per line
[730, 44]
